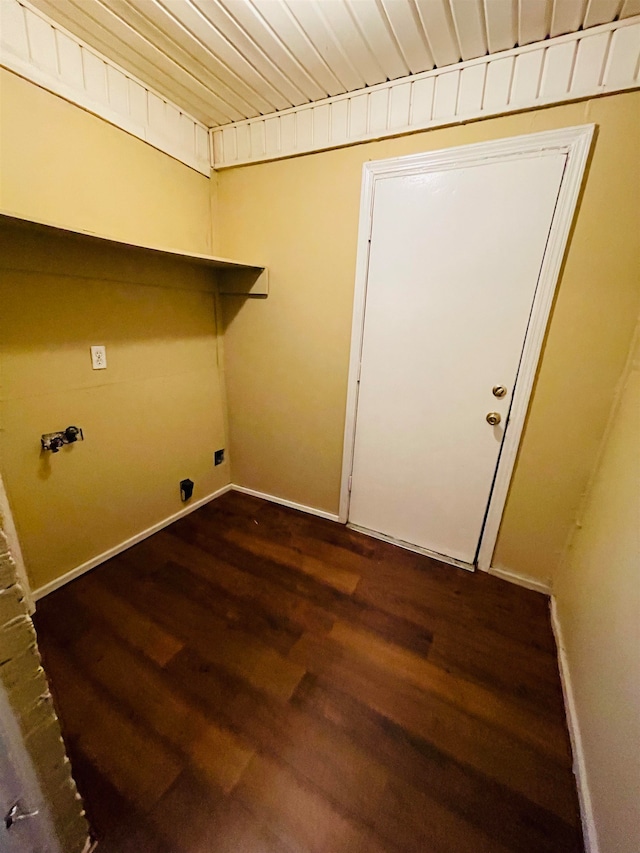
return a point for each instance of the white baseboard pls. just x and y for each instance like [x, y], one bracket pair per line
[331, 516]
[512, 577]
[128, 543]
[579, 769]
[521, 580]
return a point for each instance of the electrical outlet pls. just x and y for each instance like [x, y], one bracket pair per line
[186, 489]
[218, 457]
[99, 358]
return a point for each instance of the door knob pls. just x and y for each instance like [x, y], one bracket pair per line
[498, 390]
[493, 418]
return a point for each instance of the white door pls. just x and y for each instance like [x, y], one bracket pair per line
[454, 262]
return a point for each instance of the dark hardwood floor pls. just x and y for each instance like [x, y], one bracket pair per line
[256, 680]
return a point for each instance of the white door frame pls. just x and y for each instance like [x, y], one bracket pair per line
[575, 142]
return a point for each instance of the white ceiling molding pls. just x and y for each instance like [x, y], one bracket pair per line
[229, 60]
[585, 64]
[279, 38]
[41, 51]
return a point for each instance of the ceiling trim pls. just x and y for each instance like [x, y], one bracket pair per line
[585, 64]
[38, 49]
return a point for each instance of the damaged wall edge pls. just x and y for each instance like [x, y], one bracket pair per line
[28, 720]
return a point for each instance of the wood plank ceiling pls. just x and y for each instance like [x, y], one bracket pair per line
[227, 60]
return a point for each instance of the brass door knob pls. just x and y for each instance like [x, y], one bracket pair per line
[493, 418]
[498, 390]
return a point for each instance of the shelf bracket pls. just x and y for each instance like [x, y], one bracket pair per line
[244, 282]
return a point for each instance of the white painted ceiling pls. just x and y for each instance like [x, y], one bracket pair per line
[226, 60]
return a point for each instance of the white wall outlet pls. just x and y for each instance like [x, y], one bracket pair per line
[99, 358]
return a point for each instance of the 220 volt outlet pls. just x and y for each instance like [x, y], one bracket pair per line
[186, 489]
[218, 457]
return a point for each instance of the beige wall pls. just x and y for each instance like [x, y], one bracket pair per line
[598, 606]
[63, 165]
[287, 356]
[154, 417]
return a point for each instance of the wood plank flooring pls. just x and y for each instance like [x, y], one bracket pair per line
[256, 680]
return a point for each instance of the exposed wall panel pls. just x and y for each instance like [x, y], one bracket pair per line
[602, 60]
[624, 55]
[472, 82]
[446, 96]
[339, 123]
[321, 124]
[581, 64]
[526, 77]
[422, 95]
[304, 130]
[229, 60]
[400, 97]
[558, 67]
[35, 47]
[378, 107]
[498, 85]
[357, 116]
[589, 63]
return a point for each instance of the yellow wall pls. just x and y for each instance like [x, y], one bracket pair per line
[287, 356]
[156, 415]
[63, 165]
[598, 602]
[152, 418]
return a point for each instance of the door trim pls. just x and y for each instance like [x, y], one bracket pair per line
[575, 142]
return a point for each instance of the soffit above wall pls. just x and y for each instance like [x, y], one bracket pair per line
[597, 61]
[38, 49]
[223, 61]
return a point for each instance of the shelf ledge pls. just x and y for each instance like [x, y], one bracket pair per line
[234, 278]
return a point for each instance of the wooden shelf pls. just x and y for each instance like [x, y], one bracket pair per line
[234, 278]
